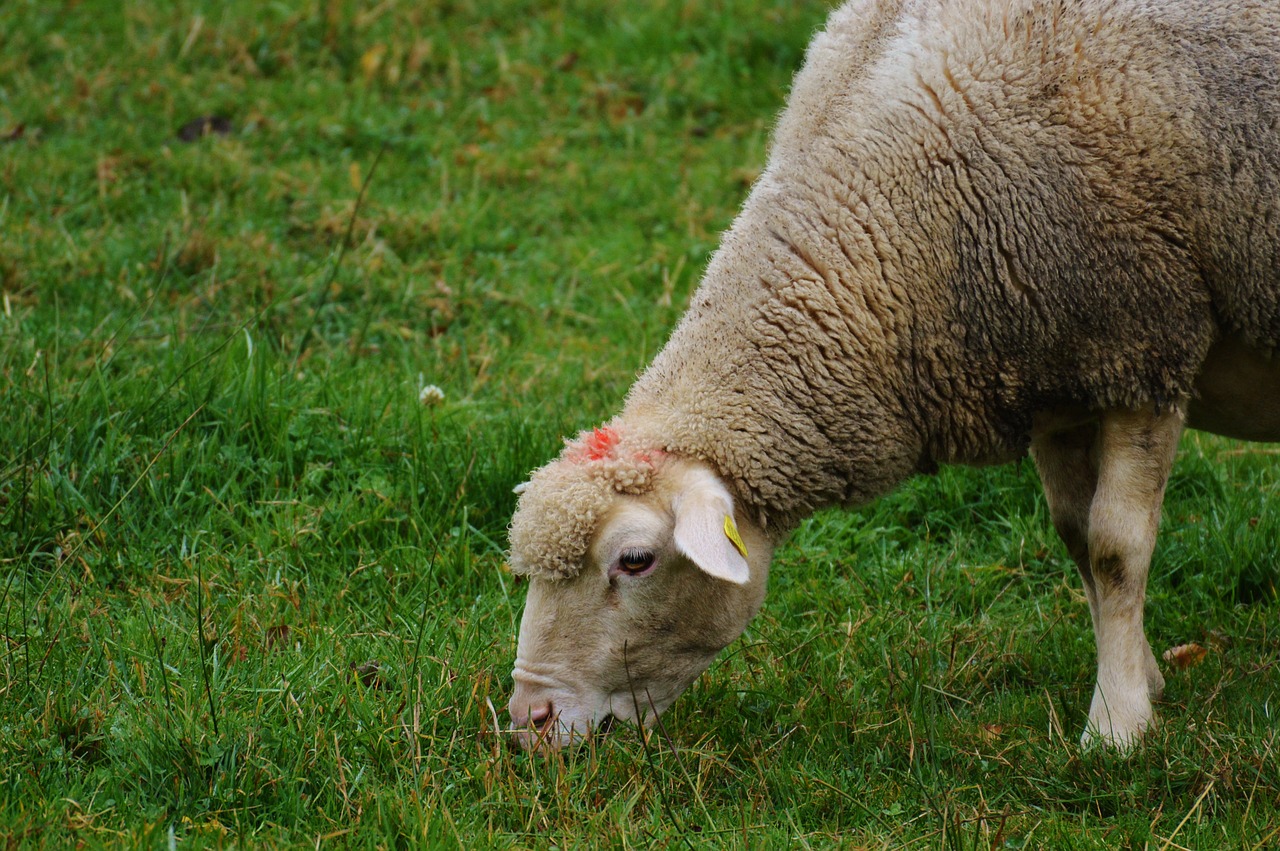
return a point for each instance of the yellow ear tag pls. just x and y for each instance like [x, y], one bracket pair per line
[731, 532]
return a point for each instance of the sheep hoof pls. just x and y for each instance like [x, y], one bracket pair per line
[1118, 723]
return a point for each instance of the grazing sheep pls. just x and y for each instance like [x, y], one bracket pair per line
[987, 227]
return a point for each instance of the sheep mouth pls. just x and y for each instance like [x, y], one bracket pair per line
[549, 738]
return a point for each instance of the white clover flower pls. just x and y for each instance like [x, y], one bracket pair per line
[430, 395]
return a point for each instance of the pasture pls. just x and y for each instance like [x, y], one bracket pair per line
[252, 588]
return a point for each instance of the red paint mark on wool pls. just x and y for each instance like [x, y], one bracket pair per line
[600, 444]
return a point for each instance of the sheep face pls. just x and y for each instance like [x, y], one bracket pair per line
[662, 588]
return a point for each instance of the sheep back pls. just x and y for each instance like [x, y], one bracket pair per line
[975, 211]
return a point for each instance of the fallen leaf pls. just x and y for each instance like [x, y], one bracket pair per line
[277, 635]
[1185, 655]
[990, 732]
[368, 674]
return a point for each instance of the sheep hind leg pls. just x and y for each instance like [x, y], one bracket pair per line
[1104, 482]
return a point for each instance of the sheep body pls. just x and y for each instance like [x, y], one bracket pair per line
[1064, 216]
[986, 226]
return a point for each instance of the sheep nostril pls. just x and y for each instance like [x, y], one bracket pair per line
[540, 715]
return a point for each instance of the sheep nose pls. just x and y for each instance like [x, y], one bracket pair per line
[529, 722]
[539, 715]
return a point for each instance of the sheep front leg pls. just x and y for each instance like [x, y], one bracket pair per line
[1135, 455]
[1105, 483]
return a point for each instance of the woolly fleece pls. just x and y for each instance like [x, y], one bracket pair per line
[560, 505]
[974, 212]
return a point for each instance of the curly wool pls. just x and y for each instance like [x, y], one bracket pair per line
[974, 212]
[562, 502]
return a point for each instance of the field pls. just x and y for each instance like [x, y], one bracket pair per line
[252, 588]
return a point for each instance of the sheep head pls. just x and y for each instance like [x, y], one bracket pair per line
[639, 574]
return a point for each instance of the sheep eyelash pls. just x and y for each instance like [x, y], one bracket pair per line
[635, 561]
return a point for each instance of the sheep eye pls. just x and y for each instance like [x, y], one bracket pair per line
[635, 561]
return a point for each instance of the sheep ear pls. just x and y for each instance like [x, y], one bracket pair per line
[706, 533]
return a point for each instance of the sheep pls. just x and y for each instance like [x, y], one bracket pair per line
[986, 229]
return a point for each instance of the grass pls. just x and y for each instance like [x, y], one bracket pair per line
[251, 588]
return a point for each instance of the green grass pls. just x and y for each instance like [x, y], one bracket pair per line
[251, 590]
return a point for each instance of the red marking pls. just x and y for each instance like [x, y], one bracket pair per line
[600, 444]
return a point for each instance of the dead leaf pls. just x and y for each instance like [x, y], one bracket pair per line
[1185, 655]
[990, 732]
[277, 635]
[369, 674]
